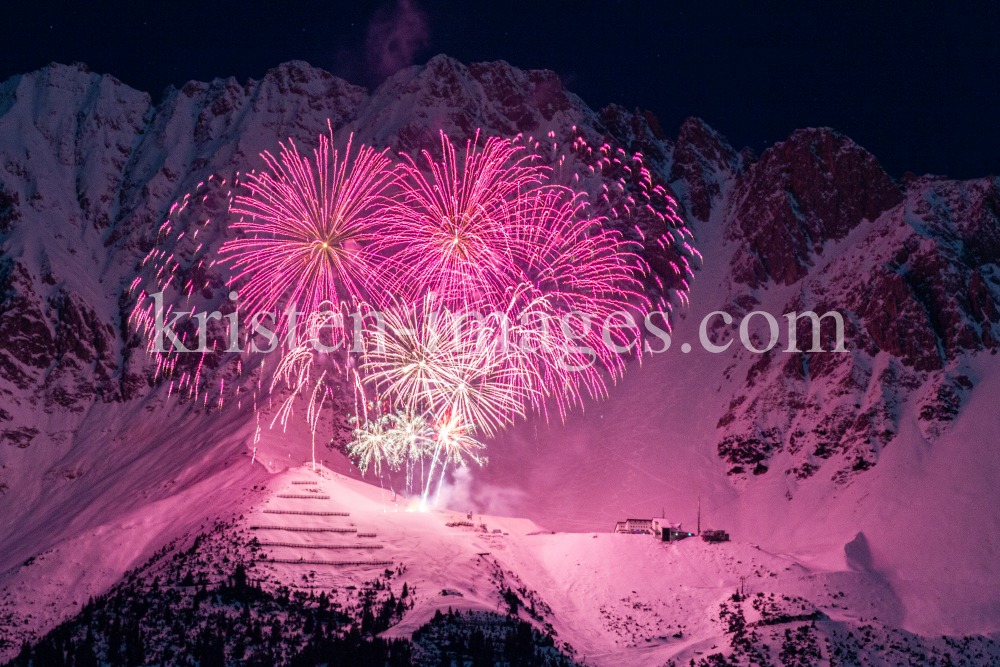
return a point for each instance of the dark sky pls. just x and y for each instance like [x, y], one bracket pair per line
[917, 83]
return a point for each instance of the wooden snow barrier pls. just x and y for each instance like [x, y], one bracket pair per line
[293, 561]
[321, 546]
[367, 535]
[308, 512]
[305, 482]
[302, 495]
[306, 530]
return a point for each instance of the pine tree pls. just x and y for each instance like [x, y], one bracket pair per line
[115, 643]
[240, 578]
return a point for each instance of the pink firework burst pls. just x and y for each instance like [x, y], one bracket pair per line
[449, 229]
[488, 231]
[309, 227]
[575, 279]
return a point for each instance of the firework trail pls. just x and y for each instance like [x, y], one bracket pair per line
[455, 443]
[294, 370]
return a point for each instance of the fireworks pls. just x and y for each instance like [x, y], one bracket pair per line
[412, 437]
[309, 227]
[371, 444]
[489, 233]
[432, 363]
[405, 439]
[455, 443]
[449, 232]
[455, 437]
[179, 279]
[574, 278]
[494, 289]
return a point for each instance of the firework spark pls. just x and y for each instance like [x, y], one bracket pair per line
[371, 444]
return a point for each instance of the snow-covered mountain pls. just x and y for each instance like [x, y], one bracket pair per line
[797, 452]
[317, 562]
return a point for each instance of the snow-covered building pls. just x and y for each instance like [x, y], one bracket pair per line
[635, 526]
[661, 528]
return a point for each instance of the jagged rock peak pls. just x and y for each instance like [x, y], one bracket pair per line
[637, 131]
[409, 109]
[697, 138]
[704, 159]
[812, 188]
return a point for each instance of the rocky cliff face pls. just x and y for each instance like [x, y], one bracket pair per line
[804, 192]
[817, 225]
[90, 168]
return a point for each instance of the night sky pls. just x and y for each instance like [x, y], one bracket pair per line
[916, 83]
